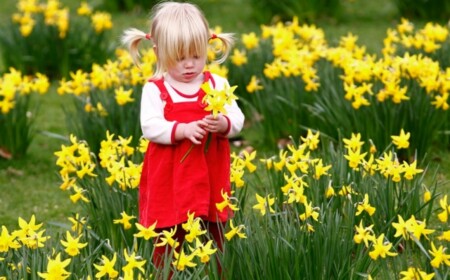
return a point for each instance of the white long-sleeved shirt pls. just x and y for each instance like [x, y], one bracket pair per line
[159, 130]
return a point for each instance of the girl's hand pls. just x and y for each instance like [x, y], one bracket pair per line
[215, 125]
[194, 131]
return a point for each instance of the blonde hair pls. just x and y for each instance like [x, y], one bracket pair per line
[177, 30]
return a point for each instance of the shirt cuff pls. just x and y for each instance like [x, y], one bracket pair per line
[172, 135]
[225, 133]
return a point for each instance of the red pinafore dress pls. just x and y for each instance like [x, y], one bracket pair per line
[170, 189]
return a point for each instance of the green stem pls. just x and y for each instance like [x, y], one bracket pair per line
[187, 153]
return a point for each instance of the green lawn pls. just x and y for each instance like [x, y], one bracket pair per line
[30, 185]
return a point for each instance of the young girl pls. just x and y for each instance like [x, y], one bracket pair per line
[177, 179]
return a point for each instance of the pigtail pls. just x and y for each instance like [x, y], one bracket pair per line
[131, 39]
[227, 40]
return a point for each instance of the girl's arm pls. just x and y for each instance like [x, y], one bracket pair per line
[159, 130]
[153, 124]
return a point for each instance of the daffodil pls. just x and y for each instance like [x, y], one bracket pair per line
[402, 228]
[363, 234]
[203, 251]
[182, 260]
[247, 161]
[401, 141]
[84, 9]
[146, 232]
[439, 256]
[193, 228]
[264, 204]
[309, 212]
[133, 262]
[125, 220]
[354, 143]
[238, 58]
[166, 238]
[320, 170]
[445, 236]
[72, 245]
[365, 206]
[250, 40]
[227, 202]
[254, 85]
[217, 99]
[56, 269]
[419, 228]
[355, 158]
[7, 241]
[123, 96]
[101, 21]
[414, 274]
[78, 223]
[381, 248]
[311, 140]
[443, 216]
[235, 231]
[410, 170]
[106, 267]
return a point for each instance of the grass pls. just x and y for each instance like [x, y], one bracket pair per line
[30, 185]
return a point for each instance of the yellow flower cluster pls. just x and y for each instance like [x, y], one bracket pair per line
[387, 165]
[55, 15]
[13, 85]
[76, 162]
[118, 76]
[297, 49]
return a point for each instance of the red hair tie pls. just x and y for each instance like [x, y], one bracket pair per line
[148, 36]
[213, 36]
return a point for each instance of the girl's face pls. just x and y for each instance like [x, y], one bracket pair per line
[187, 69]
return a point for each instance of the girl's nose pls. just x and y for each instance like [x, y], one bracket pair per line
[188, 63]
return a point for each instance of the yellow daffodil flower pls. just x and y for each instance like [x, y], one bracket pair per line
[7, 241]
[264, 203]
[235, 231]
[401, 141]
[182, 260]
[72, 244]
[133, 262]
[226, 202]
[365, 206]
[443, 216]
[203, 251]
[364, 234]
[254, 85]
[380, 248]
[414, 273]
[439, 256]
[106, 268]
[167, 238]
[146, 232]
[125, 220]
[56, 269]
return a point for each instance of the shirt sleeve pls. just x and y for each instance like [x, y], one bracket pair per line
[234, 114]
[153, 124]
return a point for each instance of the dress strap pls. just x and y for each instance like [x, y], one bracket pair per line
[209, 76]
[164, 94]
